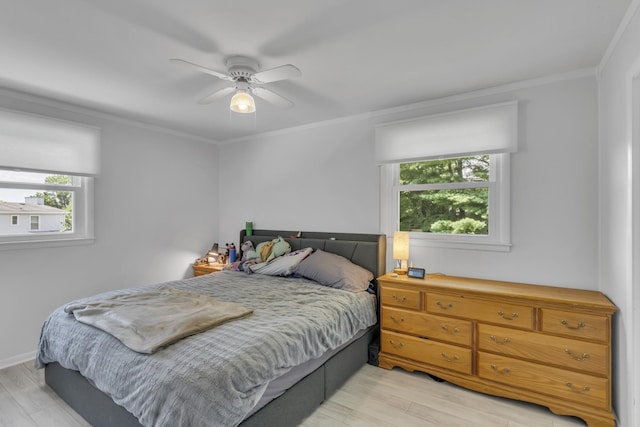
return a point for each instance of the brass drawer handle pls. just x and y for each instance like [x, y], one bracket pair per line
[396, 320]
[506, 340]
[578, 358]
[394, 345]
[504, 316]
[500, 371]
[444, 307]
[446, 329]
[455, 357]
[577, 326]
[403, 299]
[584, 389]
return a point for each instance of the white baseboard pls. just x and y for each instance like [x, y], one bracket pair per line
[15, 360]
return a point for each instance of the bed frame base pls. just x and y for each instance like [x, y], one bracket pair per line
[287, 410]
[89, 402]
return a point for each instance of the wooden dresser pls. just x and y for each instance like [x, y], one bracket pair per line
[541, 344]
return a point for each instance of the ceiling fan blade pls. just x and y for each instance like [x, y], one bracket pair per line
[216, 95]
[282, 72]
[272, 97]
[214, 73]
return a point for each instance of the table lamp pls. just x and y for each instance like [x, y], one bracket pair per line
[401, 251]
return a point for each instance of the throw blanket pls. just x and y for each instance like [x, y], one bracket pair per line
[214, 378]
[146, 321]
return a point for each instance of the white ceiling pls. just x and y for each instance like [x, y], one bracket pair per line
[355, 56]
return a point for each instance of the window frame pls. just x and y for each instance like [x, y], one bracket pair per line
[17, 221]
[83, 226]
[33, 223]
[499, 237]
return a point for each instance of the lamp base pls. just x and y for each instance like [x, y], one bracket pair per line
[400, 271]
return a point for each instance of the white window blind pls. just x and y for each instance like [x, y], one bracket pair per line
[482, 130]
[37, 143]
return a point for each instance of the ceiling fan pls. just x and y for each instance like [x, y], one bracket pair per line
[243, 72]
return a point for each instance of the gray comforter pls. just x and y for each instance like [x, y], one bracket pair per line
[215, 377]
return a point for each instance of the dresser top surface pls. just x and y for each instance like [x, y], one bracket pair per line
[483, 287]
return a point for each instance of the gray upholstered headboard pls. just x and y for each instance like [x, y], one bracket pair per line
[366, 250]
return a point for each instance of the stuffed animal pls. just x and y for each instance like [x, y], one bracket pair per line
[280, 247]
[272, 249]
[248, 251]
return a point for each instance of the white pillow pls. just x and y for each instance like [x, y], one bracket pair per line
[283, 265]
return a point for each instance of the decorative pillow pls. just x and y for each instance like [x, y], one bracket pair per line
[335, 271]
[281, 266]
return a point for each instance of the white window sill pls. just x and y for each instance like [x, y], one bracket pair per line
[45, 243]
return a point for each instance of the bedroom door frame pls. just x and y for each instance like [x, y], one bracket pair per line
[634, 170]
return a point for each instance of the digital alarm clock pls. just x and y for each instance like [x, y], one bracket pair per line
[417, 273]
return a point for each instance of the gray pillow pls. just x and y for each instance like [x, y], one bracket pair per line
[335, 271]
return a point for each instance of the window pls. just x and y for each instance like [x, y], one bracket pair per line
[49, 204]
[46, 180]
[35, 223]
[459, 202]
[445, 178]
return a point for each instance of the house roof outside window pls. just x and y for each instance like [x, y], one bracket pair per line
[14, 208]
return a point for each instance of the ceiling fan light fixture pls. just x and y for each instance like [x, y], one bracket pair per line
[242, 102]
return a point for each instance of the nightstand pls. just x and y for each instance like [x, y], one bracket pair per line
[202, 269]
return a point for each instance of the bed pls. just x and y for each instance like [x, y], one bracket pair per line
[320, 365]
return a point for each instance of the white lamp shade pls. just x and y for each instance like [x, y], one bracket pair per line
[401, 245]
[242, 102]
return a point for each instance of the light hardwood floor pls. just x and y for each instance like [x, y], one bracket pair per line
[372, 397]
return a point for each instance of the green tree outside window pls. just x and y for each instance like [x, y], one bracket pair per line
[448, 210]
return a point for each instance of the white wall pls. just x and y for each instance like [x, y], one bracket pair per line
[323, 178]
[619, 269]
[155, 212]
[317, 178]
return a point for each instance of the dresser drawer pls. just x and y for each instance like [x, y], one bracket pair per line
[427, 351]
[427, 325]
[559, 383]
[580, 355]
[401, 298]
[587, 326]
[520, 316]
